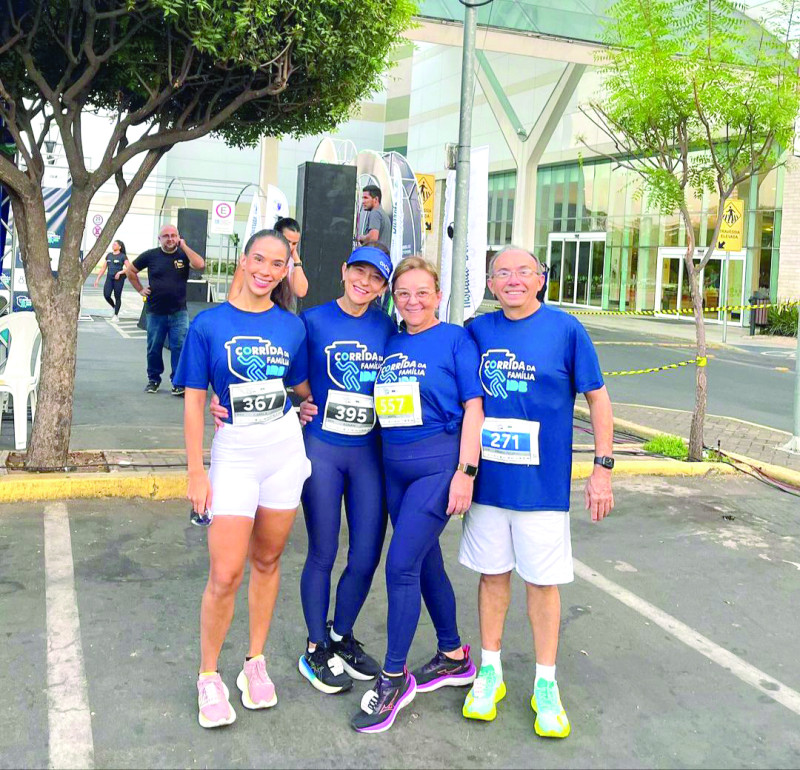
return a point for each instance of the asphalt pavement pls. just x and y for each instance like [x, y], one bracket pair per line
[678, 645]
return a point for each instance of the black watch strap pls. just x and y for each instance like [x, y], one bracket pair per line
[470, 470]
[605, 462]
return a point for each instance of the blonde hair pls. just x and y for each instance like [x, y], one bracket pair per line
[415, 263]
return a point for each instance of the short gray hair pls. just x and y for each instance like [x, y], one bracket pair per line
[512, 247]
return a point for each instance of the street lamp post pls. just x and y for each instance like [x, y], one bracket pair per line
[458, 270]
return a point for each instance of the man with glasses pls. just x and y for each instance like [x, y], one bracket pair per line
[534, 360]
[167, 271]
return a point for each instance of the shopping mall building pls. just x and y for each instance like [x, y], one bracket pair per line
[548, 191]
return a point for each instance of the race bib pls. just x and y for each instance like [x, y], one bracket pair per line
[510, 441]
[398, 405]
[351, 414]
[257, 402]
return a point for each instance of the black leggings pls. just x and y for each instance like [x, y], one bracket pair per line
[114, 287]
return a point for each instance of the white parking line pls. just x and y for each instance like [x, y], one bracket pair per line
[764, 683]
[68, 715]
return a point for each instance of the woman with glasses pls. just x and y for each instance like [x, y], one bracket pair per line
[346, 339]
[249, 350]
[428, 398]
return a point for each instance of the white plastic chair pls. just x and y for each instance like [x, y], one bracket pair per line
[19, 376]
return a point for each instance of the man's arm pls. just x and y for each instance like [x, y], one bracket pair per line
[195, 260]
[373, 233]
[133, 276]
[598, 495]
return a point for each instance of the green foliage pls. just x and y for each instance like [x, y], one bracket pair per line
[695, 94]
[782, 321]
[668, 446]
[317, 58]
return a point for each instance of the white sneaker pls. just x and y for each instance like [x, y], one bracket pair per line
[115, 319]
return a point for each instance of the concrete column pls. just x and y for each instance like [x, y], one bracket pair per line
[789, 269]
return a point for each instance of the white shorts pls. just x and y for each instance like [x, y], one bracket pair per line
[258, 465]
[536, 543]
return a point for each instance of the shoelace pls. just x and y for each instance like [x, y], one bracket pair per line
[484, 684]
[545, 697]
[260, 673]
[210, 694]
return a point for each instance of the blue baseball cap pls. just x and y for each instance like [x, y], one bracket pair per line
[374, 257]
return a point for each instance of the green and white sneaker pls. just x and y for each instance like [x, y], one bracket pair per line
[487, 691]
[551, 719]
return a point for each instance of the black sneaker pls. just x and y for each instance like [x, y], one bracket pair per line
[324, 670]
[442, 671]
[177, 390]
[379, 707]
[152, 387]
[356, 662]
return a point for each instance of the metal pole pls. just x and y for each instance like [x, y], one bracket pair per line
[724, 302]
[793, 445]
[459, 266]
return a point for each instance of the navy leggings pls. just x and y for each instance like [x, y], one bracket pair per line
[356, 474]
[418, 477]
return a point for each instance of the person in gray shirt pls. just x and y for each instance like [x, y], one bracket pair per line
[375, 225]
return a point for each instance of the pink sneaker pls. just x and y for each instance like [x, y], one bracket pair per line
[212, 700]
[258, 692]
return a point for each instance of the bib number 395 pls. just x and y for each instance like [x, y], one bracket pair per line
[350, 414]
[515, 442]
[257, 402]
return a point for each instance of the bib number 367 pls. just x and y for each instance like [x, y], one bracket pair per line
[257, 402]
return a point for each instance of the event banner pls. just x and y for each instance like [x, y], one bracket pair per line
[56, 203]
[477, 234]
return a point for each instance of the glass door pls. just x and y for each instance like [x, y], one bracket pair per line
[576, 264]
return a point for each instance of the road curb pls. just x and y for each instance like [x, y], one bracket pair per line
[33, 487]
[786, 475]
[655, 467]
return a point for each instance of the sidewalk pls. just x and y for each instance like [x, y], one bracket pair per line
[757, 442]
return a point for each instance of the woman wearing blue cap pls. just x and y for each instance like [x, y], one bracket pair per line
[346, 339]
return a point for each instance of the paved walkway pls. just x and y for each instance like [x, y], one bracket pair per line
[755, 441]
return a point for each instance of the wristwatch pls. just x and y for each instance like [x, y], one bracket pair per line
[470, 470]
[605, 462]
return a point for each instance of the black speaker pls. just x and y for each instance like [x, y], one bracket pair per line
[326, 211]
[193, 228]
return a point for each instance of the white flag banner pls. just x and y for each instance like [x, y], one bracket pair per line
[398, 195]
[253, 218]
[477, 234]
[277, 206]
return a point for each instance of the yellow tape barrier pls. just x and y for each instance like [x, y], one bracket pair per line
[700, 361]
[687, 311]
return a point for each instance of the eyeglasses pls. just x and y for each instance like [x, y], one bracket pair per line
[404, 296]
[525, 273]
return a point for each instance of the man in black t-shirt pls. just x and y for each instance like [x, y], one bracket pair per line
[167, 271]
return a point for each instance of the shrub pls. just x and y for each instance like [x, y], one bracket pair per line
[669, 446]
[782, 321]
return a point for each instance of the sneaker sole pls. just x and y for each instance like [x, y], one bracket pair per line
[543, 733]
[489, 716]
[389, 721]
[308, 674]
[354, 673]
[247, 701]
[449, 680]
[208, 724]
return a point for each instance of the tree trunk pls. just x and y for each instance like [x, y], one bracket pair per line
[53, 424]
[701, 384]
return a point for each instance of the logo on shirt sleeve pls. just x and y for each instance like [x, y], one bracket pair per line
[254, 358]
[502, 373]
[350, 364]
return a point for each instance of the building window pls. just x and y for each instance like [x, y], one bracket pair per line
[502, 188]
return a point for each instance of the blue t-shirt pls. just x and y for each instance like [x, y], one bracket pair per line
[344, 354]
[532, 369]
[225, 346]
[444, 360]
